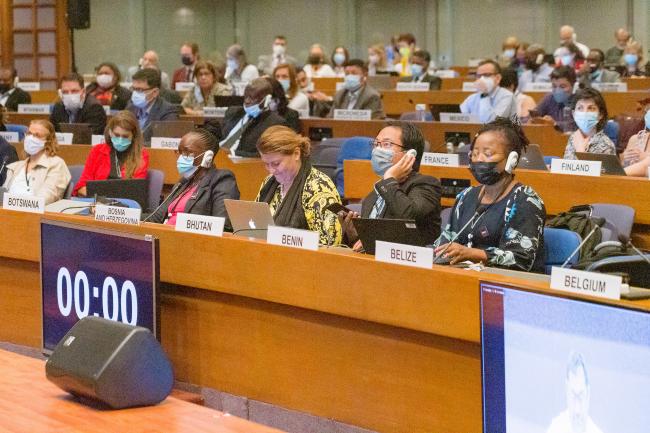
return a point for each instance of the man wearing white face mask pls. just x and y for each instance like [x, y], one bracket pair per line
[267, 63]
[77, 107]
[490, 101]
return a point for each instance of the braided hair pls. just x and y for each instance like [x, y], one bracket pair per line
[511, 131]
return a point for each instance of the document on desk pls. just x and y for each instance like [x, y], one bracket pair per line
[401, 254]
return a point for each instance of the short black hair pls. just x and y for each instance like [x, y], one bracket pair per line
[357, 62]
[513, 133]
[151, 76]
[597, 97]
[509, 78]
[412, 138]
[497, 68]
[564, 72]
[279, 95]
[423, 54]
[113, 67]
[600, 52]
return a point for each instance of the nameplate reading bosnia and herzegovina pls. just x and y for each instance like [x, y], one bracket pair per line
[117, 214]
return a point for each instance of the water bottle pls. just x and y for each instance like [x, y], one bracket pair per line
[420, 109]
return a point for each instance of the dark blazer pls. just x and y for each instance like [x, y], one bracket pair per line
[18, 96]
[254, 129]
[160, 110]
[369, 99]
[434, 82]
[417, 198]
[121, 96]
[216, 185]
[292, 117]
[8, 155]
[91, 112]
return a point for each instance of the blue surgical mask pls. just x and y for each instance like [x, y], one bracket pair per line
[352, 82]
[566, 59]
[416, 70]
[139, 99]
[586, 120]
[285, 84]
[509, 53]
[232, 64]
[560, 96]
[339, 58]
[120, 143]
[185, 165]
[381, 160]
[630, 59]
[253, 110]
[647, 119]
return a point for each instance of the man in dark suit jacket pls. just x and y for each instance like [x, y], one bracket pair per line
[77, 107]
[402, 193]
[146, 103]
[8, 155]
[11, 96]
[420, 61]
[189, 57]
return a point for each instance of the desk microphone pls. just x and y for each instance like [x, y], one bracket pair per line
[179, 185]
[639, 252]
[480, 210]
[599, 223]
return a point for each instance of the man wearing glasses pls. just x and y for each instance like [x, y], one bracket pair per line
[490, 100]
[146, 103]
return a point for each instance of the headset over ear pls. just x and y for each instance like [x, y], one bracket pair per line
[208, 156]
[266, 101]
[511, 163]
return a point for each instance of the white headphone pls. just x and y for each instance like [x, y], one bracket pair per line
[266, 101]
[511, 163]
[208, 156]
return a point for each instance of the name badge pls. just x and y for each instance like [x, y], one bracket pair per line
[201, 224]
[577, 167]
[412, 87]
[446, 73]
[538, 87]
[184, 86]
[34, 108]
[339, 85]
[401, 254]
[165, 142]
[610, 87]
[96, 139]
[352, 114]
[117, 214]
[469, 86]
[214, 111]
[295, 238]
[458, 118]
[586, 283]
[440, 159]
[11, 137]
[23, 203]
[29, 86]
[64, 137]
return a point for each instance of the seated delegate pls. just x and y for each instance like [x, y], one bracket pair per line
[637, 146]
[490, 100]
[205, 89]
[120, 156]
[203, 187]
[500, 222]
[286, 75]
[42, 173]
[296, 192]
[76, 106]
[8, 155]
[280, 104]
[555, 107]
[107, 89]
[402, 193]
[590, 114]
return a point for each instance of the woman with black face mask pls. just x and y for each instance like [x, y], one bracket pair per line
[499, 223]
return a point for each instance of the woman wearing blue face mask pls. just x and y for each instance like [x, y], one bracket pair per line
[632, 59]
[286, 75]
[340, 56]
[120, 156]
[203, 187]
[590, 115]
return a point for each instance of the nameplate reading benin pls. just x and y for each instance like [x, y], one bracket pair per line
[34, 108]
[165, 143]
[412, 87]
[458, 118]
[352, 114]
[401, 254]
[440, 159]
[64, 137]
[575, 166]
[118, 215]
[23, 203]
[201, 224]
[295, 238]
[586, 283]
[11, 137]
[184, 86]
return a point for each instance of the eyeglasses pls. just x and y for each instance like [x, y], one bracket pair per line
[486, 75]
[386, 144]
[135, 89]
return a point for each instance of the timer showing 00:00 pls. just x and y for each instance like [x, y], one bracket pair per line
[78, 295]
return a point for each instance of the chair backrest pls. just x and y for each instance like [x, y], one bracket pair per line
[156, 179]
[20, 129]
[628, 126]
[352, 148]
[324, 153]
[611, 130]
[414, 116]
[445, 216]
[558, 245]
[75, 174]
[619, 219]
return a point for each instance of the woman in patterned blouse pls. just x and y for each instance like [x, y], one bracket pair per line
[590, 114]
[297, 193]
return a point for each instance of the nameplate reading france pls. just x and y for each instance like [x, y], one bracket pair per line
[117, 214]
[11, 137]
[440, 159]
[165, 143]
[401, 254]
[34, 108]
[352, 114]
[64, 137]
[295, 238]
[201, 224]
[586, 283]
[577, 167]
[412, 87]
[23, 203]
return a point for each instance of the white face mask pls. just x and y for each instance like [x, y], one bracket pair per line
[489, 83]
[33, 145]
[72, 101]
[373, 59]
[105, 80]
[278, 50]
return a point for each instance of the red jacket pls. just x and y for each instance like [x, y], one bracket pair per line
[98, 166]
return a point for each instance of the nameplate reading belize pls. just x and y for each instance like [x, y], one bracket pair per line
[184, 86]
[23, 203]
[586, 283]
[575, 166]
[201, 224]
[64, 137]
[401, 254]
[538, 87]
[117, 214]
[165, 143]
[34, 108]
[412, 87]
[11, 137]
[214, 111]
[352, 114]
[440, 159]
[295, 238]
[458, 118]
[96, 139]
[29, 86]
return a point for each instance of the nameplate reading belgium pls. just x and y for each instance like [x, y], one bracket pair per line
[103, 273]
[586, 283]
[117, 214]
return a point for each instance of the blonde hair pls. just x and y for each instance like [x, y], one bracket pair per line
[282, 139]
[51, 144]
[127, 121]
[381, 52]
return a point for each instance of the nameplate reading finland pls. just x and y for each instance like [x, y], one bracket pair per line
[295, 238]
[11, 137]
[575, 166]
[184, 86]
[64, 137]
[29, 86]
[117, 214]
[96, 139]
[401, 254]
[352, 114]
[538, 87]
[440, 159]
[412, 87]
[201, 224]
[586, 283]
[458, 118]
[165, 143]
[34, 108]
[23, 203]
[214, 111]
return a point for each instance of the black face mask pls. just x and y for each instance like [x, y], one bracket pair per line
[4, 88]
[485, 173]
[313, 60]
[186, 60]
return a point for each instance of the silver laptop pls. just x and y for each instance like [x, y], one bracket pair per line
[249, 218]
[532, 159]
[610, 163]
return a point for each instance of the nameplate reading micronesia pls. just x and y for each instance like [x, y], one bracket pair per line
[469, 86]
[412, 87]
[118, 215]
[440, 159]
[575, 166]
[610, 87]
[11, 137]
[64, 137]
[201, 224]
[96, 139]
[401, 254]
[165, 142]
[23, 203]
[214, 111]
[29, 86]
[458, 118]
[586, 283]
[538, 87]
[295, 238]
[34, 108]
[446, 73]
[184, 86]
[352, 114]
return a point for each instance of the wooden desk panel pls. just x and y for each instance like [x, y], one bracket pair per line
[637, 83]
[44, 96]
[23, 118]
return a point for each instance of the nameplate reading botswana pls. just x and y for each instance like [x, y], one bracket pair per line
[23, 203]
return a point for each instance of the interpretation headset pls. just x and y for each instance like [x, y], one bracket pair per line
[208, 156]
[266, 101]
[512, 161]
